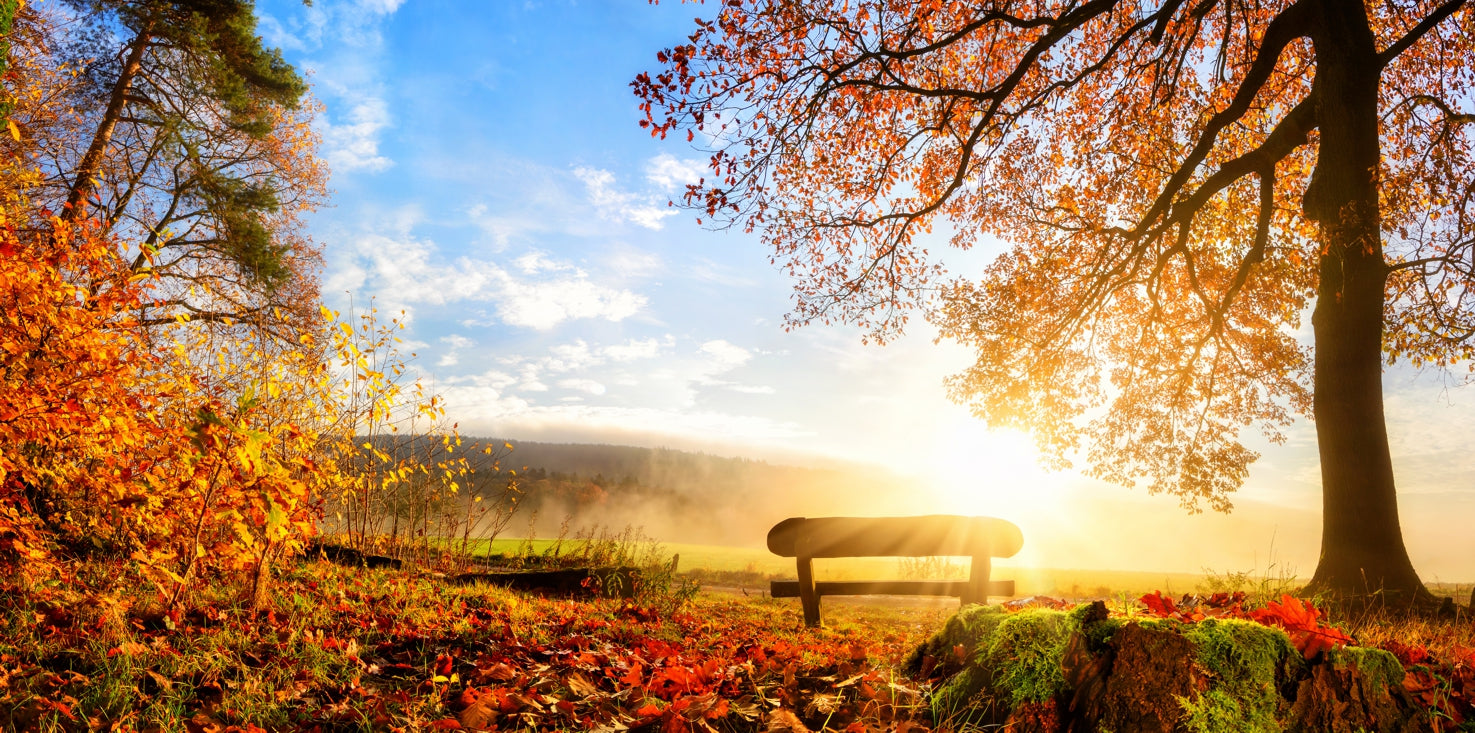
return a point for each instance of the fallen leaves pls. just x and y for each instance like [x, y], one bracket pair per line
[1303, 622]
[1300, 620]
[394, 652]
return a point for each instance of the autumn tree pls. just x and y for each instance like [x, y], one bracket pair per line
[157, 457]
[70, 418]
[8, 9]
[407, 483]
[192, 142]
[1178, 183]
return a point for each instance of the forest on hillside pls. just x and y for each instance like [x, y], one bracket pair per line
[671, 495]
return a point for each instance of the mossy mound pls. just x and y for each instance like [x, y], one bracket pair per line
[1354, 690]
[1079, 670]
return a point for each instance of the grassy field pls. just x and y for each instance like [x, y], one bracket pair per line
[753, 567]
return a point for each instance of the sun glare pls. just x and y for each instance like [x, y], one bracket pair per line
[975, 470]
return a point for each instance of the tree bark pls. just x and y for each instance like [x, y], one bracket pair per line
[87, 170]
[1362, 550]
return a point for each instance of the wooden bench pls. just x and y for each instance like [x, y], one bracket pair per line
[981, 538]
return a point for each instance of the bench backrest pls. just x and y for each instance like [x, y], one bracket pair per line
[936, 534]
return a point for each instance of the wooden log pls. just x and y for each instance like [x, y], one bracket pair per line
[350, 557]
[616, 581]
[922, 536]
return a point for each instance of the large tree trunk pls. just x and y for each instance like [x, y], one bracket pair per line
[1362, 550]
[91, 164]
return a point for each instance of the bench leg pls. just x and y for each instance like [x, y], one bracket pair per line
[978, 571]
[808, 596]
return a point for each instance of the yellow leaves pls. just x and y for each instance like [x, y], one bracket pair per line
[14, 131]
[155, 561]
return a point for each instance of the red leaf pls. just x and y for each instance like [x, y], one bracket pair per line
[1159, 604]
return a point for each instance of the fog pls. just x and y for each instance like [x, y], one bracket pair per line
[1067, 521]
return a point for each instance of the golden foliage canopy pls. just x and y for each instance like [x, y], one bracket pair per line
[1151, 168]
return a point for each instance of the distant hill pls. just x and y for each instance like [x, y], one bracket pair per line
[683, 496]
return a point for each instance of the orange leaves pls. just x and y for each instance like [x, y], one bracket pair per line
[1300, 620]
[134, 451]
[724, 669]
[68, 371]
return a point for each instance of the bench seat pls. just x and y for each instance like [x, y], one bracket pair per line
[978, 538]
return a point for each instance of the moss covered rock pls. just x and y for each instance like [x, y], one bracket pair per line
[1354, 690]
[1079, 670]
[1246, 664]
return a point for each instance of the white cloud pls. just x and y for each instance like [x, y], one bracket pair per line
[452, 356]
[542, 306]
[725, 356]
[582, 385]
[276, 35]
[712, 272]
[493, 380]
[751, 389]
[380, 7]
[408, 271]
[671, 378]
[345, 277]
[671, 173]
[571, 357]
[633, 350]
[353, 144]
[630, 262]
[346, 58]
[352, 22]
[535, 262]
[544, 200]
[579, 357]
[530, 381]
[621, 206]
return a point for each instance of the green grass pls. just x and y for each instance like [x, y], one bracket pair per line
[756, 565]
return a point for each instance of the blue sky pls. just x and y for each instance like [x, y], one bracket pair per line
[490, 181]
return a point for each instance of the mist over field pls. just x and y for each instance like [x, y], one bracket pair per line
[701, 498]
